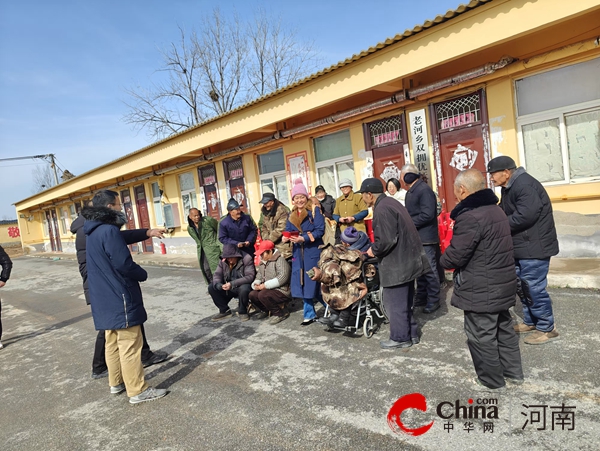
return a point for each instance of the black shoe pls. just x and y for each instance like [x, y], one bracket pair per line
[419, 302]
[391, 344]
[220, 316]
[344, 319]
[330, 319]
[415, 340]
[156, 357]
[431, 308]
[100, 375]
[306, 322]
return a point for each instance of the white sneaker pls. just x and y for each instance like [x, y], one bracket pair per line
[150, 394]
[1, 346]
[117, 389]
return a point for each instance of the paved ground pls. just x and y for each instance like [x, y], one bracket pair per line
[254, 386]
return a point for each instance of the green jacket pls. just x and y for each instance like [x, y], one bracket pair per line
[208, 245]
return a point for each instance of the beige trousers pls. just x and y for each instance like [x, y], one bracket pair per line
[124, 359]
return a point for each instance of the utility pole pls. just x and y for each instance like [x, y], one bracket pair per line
[53, 164]
[42, 157]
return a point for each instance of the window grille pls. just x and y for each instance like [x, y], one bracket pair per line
[234, 169]
[463, 111]
[208, 175]
[385, 132]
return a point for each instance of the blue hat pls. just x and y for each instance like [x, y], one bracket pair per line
[350, 235]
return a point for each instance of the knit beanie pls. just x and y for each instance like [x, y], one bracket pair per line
[410, 177]
[299, 188]
[350, 235]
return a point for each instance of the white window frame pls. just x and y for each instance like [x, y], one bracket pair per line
[73, 212]
[187, 192]
[272, 175]
[62, 217]
[334, 162]
[557, 113]
[157, 206]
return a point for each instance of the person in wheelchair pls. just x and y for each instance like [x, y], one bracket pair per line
[355, 240]
[340, 273]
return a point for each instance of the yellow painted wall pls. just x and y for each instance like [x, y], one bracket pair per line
[502, 119]
[5, 237]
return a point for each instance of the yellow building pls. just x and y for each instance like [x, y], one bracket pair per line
[10, 235]
[494, 77]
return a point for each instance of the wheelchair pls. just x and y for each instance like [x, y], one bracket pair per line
[368, 313]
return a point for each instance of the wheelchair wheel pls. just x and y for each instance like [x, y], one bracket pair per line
[368, 328]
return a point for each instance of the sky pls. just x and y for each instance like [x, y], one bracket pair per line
[65, 65]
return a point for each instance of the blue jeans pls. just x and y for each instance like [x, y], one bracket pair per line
[309, 309]
[535, 273]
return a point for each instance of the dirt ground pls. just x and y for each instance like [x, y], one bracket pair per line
[14, 252]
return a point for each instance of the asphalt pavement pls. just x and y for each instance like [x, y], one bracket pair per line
[250, 385]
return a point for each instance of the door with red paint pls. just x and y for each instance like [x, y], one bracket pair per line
[386, 139]
[143, 215]
[461, 141]
[128, 207]
[459, 150]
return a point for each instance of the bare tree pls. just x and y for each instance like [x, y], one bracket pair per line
[214, 70]
[280, 58]
[43, 178]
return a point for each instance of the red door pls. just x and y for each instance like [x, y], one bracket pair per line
[127, 206]
[387, 162]
[143, 216]
[459, 150]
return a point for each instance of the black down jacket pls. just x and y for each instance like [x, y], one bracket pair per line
[529, 211]
[481, 254]
[397, 244]
[421, 204]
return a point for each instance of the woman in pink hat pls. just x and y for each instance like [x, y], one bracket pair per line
[304, 228]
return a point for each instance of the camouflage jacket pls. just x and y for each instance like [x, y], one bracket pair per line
[341, 278]
[272, 224]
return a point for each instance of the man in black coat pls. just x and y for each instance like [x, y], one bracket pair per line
[421, 204]
[99, 368]
[401, 260]
[485, 282]
[529, 211]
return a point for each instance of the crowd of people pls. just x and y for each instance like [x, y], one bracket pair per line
[500, 250]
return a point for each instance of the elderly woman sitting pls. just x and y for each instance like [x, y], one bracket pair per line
[340, 273]
[355, 240]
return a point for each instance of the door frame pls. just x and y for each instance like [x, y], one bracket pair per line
[436, 133]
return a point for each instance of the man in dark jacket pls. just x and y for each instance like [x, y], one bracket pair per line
[116, 297]
[421, 204]
[529, 211]
[232, 279]
[485, 282]
[238, 228]
[6, 264]
[99, 368]
[401, 260]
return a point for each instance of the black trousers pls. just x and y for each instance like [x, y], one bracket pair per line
[0, 320]
[428, 285]
[99, 362]
[397, 301]
[494, 347]
[221, 298]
